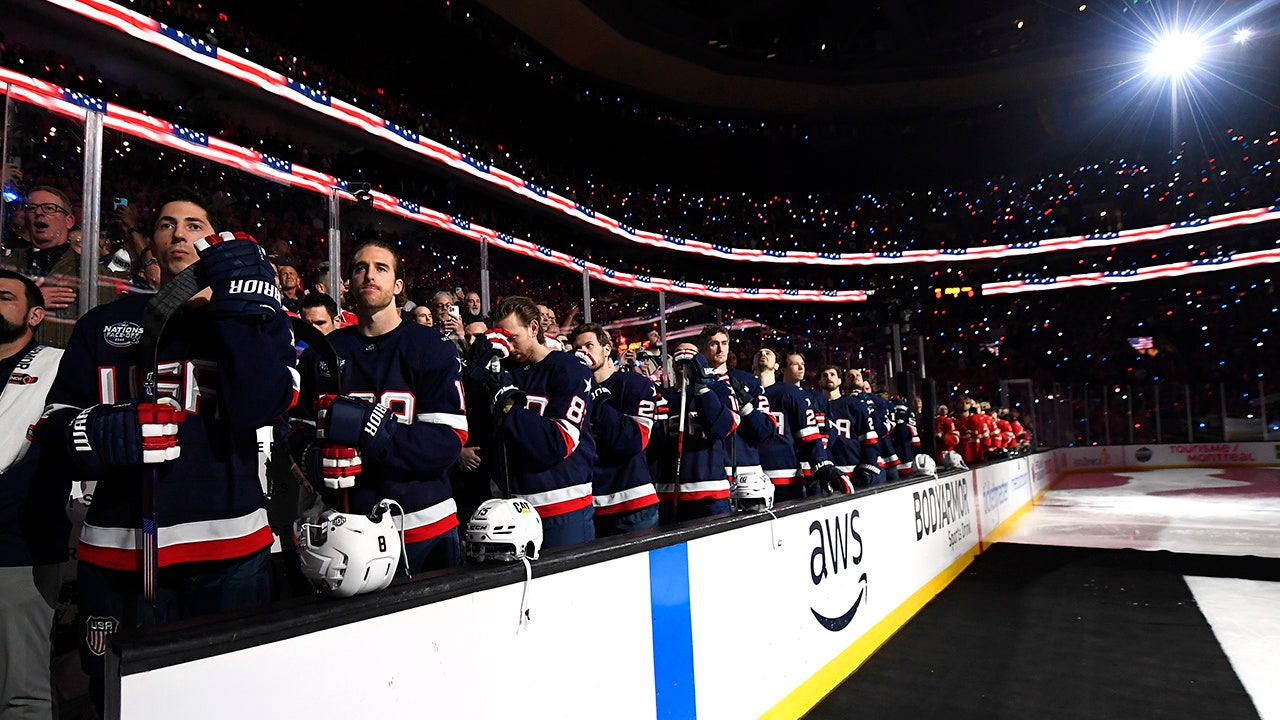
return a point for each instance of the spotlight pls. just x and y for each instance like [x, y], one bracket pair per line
[1175, 54]
[1242, 36]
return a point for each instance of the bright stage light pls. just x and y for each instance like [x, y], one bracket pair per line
[1242, 36]
[1175, 54]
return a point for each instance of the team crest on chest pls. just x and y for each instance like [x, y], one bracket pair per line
[122, 334]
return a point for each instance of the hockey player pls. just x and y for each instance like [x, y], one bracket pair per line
[542, 404]
[755, 424]
[797, 438]
[401, 414]
[852, 443]
[701, 486]
[33, 518]
[948, 433]
[973, 434]
[906, 438]
[622, 415]
[225, 370]
[880, 418]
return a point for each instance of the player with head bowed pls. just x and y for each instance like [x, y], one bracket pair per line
[390, 420]
[224, 367]
[541, 404]
[623, 407]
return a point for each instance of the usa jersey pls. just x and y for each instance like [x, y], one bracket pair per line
[414, 371]
[621, 430]
[231, 376]
[702, 466]
[851, 439]
[881, 418]
[906, 438]
[797, 436]
[742, 447]
[548, 442]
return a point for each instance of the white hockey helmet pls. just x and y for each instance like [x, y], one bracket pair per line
[345, 554]
[924, 465]
[952, 460]
[751, 491]
[504, 530]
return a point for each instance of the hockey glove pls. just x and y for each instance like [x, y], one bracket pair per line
[830, 479]
[600, 396]
[240, 276]
[742, 393]
[331, 466]
[585, 358]
[504, 393]
[866, 475]
[693, 365]
[356, 423]
[105, 437]
[488, 348]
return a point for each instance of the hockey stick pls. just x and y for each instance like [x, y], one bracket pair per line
[311, 335]
[680, 425]
[155, 317]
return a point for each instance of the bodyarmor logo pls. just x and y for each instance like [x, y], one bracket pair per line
[254, 287]
[96, 631]
[838, 543]
[122, 334]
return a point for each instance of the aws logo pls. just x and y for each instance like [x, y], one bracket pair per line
[838, 545]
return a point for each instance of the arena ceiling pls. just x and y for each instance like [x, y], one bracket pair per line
[825, 58]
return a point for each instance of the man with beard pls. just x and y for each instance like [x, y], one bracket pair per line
[541, 403]
[797, 439]
[622, 413]
[33, 521]
[852, 442]
[401, 415]
[224, 368]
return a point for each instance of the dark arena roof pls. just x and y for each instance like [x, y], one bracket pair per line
[805, 125]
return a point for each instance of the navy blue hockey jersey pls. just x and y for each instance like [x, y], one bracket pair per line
[743, 446]
[881, 421]
[851, 439]
[621, 429]
[797, 437]
[414, 371]
[702, 466]
[231, 375]
[548, 442]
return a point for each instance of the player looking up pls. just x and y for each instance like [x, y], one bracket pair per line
[401, 414]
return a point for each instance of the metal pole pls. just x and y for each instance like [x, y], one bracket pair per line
[485, 297]
[1129, 405]
[897, 348]
[1088, 433]
[1106, 417]
[1222, 397]
[91, 201]
[586, 295]
[335, 246]
[1191, 433]
[920, 353]
[1159, 433]
[662, 332]
[1262, 407]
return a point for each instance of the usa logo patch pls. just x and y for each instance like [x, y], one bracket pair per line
[122, 334]
[97, 629]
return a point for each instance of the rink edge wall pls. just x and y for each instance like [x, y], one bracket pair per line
[742, 616]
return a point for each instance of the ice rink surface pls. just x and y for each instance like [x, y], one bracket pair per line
[1225, 511]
